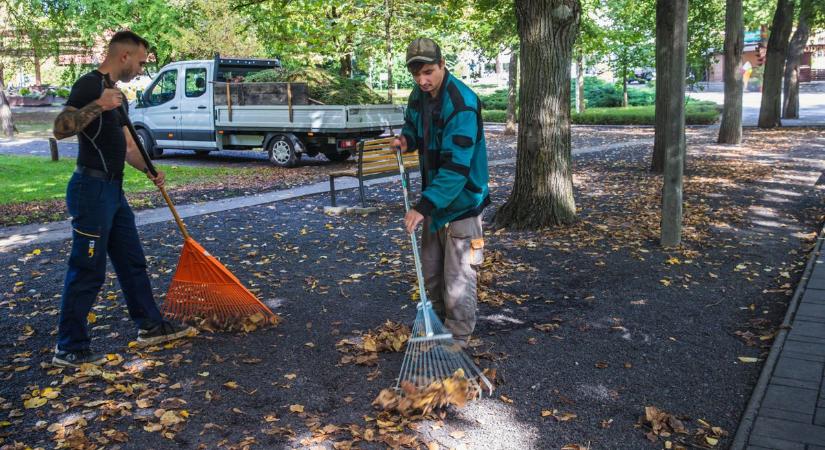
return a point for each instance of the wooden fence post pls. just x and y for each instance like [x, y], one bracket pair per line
[53, 149]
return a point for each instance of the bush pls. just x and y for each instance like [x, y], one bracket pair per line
[601, 94]
[696, 113]
[496, 100]
[494, 115]
[323, 86]
[25, 91]
[62, 92]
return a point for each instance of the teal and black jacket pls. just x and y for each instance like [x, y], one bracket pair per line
[448, 133]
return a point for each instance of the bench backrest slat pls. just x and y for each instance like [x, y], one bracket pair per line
[377, 156]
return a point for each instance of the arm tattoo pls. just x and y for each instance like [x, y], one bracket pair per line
[72, 121]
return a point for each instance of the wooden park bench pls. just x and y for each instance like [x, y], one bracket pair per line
[376, 159]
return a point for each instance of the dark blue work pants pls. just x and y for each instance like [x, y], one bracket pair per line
[102, 223]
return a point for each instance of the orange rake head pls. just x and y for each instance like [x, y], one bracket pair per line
[204, 291]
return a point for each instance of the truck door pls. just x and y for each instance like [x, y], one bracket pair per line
[162, 113]
[197, 126]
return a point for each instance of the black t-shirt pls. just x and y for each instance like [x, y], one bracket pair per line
[102, 143]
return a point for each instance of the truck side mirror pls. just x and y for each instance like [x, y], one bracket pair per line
[200, 83]
[139, 97]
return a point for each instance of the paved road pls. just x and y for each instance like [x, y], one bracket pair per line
[812, 107]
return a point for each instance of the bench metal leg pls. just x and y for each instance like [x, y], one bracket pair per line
[332, 189]
[361, 189]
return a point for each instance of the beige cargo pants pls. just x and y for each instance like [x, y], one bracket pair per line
[450, 258]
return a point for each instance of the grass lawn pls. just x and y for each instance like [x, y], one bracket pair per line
[31, 178]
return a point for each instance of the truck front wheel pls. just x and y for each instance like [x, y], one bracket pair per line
[281, 151]
[148, 144]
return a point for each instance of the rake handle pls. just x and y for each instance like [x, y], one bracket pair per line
[124, 115]
[424, 302]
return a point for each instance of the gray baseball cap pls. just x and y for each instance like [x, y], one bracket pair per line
[423, 50]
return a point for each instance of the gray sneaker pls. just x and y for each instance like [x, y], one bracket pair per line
[63, 358]
[164, 332]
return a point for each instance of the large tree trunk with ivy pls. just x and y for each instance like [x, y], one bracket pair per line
[542, 193]
[388, 39]
[730, 131]
[790, 101]
[771, 107]
[580, 83]
[512, 84]
[671, 52]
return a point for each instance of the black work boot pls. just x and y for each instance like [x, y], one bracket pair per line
[63, 358]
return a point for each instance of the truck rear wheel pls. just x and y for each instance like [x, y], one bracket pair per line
[281, 151]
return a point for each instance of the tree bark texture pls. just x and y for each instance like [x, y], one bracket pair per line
[671, 52]
[580, 83]
[512, 84]
[790, 101]
[730, 131]
[542, 193]
[770, 109]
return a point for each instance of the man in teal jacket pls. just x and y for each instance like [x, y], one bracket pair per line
[443, 122]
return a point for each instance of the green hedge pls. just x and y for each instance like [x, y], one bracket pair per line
[494, 115]
[696, 113]
[597, 94]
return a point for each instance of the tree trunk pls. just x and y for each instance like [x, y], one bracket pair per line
[770, 109]
[346, 59]
[498, 64]
[346, 65]
[6, 120]
[37, 77]
[730, 131]
[624, 86]
[388, 39]
[790, 102]
[542, 193]
[580, 83]
[512, 84]
[671, 52]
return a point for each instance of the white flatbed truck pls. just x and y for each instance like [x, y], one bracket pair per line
[202, 106]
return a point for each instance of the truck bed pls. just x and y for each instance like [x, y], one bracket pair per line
[309, 118]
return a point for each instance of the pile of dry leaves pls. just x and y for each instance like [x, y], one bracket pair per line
[389, 337]
[247, 324]
[676, 435]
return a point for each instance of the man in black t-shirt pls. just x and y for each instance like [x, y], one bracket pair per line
[102, 221]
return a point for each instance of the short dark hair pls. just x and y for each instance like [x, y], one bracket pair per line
[128, 37]
[415, 67]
